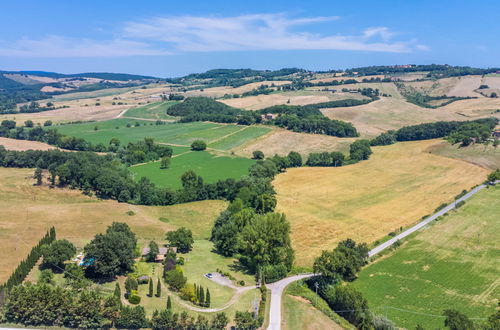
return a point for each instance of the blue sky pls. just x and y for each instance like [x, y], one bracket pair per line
[172, 38]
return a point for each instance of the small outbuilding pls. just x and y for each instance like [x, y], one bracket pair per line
[161, 254]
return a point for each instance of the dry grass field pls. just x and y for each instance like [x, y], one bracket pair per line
[465, 86]
[82, 106]
[303, 97]
[22, 145]
[281, 142]
[392, 113]
[396, 187]
[222, 90]
[28, 211]
[486, 156]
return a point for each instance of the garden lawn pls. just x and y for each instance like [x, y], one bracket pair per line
[453, 264]
[210, 167]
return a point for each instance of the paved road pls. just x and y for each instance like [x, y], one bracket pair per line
[277, 288]
[423, 223]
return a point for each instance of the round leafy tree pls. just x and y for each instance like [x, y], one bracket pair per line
[198, 145]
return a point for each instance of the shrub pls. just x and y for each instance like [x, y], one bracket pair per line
[257, 154]
[134, 299]
[198, 145]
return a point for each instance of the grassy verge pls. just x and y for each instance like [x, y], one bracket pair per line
[301, 290]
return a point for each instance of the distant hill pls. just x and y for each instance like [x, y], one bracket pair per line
[97, 75]
[25, 86]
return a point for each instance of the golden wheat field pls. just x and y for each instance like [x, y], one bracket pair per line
[396, 187]
[28, 211]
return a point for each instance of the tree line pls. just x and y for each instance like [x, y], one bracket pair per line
[132, 153]
[24, 268]
[459, 131]
[306, 119]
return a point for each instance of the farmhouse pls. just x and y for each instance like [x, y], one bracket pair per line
[269, 116]
[162, 252]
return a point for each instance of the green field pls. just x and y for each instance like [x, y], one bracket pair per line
[453, 264]
[155, 110]
[210, 167]
[244, 135]
[222, 136]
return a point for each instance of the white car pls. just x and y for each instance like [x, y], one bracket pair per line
[209, 275]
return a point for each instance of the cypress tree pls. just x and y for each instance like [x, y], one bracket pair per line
[158, 288]
[202, 297]
[169, 303]
[150, 287]
[118, 291]
[207, 299]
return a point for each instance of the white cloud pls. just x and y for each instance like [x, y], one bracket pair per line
[168, 35]
[57, 46]
[257, 32]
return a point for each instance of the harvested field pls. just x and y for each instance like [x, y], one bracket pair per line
[222, 90]
[391, 113]
[365, 201]
[296, 98]
[281, 142]
[22, 145]
[28, 211]
[465, 86]
[486, 156]
[73, 113]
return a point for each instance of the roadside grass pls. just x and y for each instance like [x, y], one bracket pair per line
[170, 133]
[452, 264]
[209, 166]
[28, 211]
[303, 309]
[394, 188]
[155, 110]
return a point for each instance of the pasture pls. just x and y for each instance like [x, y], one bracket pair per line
[452, 264]
[209, 166]
[183, 134]
[28, 211]
[398, 185]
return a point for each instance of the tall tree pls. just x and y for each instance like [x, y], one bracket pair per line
[169, 303]
[150, 287]
[158, 288]
[181, 238]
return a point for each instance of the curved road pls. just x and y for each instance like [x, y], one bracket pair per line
[277, 288]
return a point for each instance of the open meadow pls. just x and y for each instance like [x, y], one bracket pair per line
[398, 185]
[452, 264]
[29, 211]
[209, 166]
